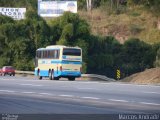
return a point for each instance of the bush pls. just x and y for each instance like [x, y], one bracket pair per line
[135, 29]
[157, 62]
[24, 64]
[138, 56]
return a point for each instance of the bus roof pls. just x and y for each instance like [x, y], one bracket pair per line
[57, 47]
[41, 48]
[61, 46]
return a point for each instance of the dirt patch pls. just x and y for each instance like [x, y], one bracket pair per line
[149, 76]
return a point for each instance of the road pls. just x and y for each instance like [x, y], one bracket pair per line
[28, 95]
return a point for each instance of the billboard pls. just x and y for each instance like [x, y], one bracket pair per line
[56, 8]
[15, 13]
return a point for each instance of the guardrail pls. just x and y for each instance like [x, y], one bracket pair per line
[85, 76]
[95, 76]
[24, 72]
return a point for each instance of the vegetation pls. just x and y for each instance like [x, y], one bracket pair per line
[101, 54]
[124, 19]
[157, 62]
[19, 40]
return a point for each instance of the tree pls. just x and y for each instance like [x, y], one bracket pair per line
[137, 56]
[89, 5]
[152, 5]
[37, 29]
[157, 62]
[20, 39]
[70, 28]
[5, 19]
[101, 55]
[23, 53]
[81, 4]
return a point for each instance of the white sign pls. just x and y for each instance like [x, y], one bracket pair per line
[56, 8]
[15, 13]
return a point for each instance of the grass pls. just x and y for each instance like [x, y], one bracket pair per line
[149, 76]
[134, 23]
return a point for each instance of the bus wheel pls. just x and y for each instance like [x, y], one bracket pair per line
[56, 78]
[71, 78]
[39, 77]
[50, 75]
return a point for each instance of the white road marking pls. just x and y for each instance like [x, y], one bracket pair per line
[64, 86]
[146, 103]
[28, 92]
[66, 95]
[117, 100]
[30, 85]
[10, 91]
[85, 88]
[106, 83]
[26, 84]
[45, 93]
[130, 84]
[95, 98]
[152, 92]
[88, 82]
[146, 85]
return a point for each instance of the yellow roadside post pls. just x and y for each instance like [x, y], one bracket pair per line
[118, 74]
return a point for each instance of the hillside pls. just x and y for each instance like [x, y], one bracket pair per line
[150, 76]
[135, 22]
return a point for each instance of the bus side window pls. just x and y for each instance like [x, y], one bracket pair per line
[49, 56]
[38, 54]
[52, 54]
[55, 54]
[45, 54]
[42, 54]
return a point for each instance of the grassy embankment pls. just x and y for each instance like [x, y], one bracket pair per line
[150, 76]
[135, 22]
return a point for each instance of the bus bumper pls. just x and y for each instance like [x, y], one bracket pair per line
[70, 73]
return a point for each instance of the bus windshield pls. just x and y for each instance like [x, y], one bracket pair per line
[71, 52]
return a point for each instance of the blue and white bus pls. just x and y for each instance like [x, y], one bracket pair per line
[58, 61]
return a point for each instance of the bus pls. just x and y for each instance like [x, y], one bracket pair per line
[58, 61]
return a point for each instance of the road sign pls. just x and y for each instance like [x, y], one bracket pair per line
[118, 74]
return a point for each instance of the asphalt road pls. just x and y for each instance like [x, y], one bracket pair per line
[28, 95]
